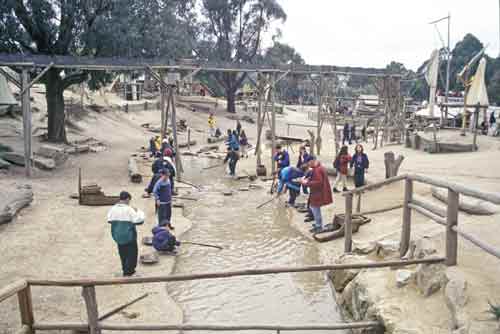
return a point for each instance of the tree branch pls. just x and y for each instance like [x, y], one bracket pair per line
[74, 79]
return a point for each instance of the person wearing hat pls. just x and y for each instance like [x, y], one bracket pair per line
[163, 196]
[123, 219]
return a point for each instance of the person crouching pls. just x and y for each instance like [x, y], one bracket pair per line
[163, 196]
[163, 239]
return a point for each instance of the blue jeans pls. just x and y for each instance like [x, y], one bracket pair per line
[318, 220]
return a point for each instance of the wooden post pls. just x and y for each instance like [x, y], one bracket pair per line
[451, 221]
[260, 124]
[88, 293]
[476, 120]
[406, 230]
[26, 107]
[358, 204]
[162, 109]
[273, 125]
[178, 164]
[189, 139]
[26, 308]
[348, 223]
[318, 125]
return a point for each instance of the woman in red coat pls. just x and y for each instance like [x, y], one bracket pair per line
[321, 192]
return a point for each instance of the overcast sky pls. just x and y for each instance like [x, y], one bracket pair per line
[372, 33]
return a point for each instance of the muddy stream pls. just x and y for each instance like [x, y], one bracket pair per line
[251, 239]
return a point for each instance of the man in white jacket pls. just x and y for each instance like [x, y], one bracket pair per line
[123, 219]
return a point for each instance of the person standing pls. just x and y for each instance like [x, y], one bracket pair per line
[238, 128]
[243, 144]
[361, 163]
[281, 157]
[493, 120]
[345, 133]
[211, 124]
[156, 167]
[123, 219]
[304, 157]
[363, 133]
[163, 196]
[321, 192]
[352, 134]
[169, 164]
[232, 156]
[341, 165]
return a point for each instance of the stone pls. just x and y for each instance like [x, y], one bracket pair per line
[430, 278]
[387, 248]
[44, 163]
[363, 248]
[341, 278]
[53, 152]
[456, 298]
[424, 248]
[403, 277]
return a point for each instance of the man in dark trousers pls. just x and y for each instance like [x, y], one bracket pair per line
[232, 156]
[163, 196]
[123, 219]
[345, 134]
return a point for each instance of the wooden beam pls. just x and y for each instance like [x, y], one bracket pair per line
[10, 78]
[479, 243]
[451, 224]
[38, 77]
[348, 224]
[48, 326]
[25, 330]
[428, 214]
[374, 186]
[178, 164]
[320, 90]
[487, 196]
[12, 289]
[26, 107]
[434, 208]
[281, 77]
[190, 75]
[115, 310]
[26, 308]
[234, 328]
[88, 293]
[406, 230]
[273, 124]
[228, 274]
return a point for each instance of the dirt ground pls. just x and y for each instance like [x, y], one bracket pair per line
[57, 238]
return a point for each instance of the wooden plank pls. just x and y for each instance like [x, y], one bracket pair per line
[227, 274]
[451, 222]
[487, 196]
[374, 186]
[479, 243]
[12, 289]
[26, 308]
[390, 208]
[88, 293]
[348, 224]
[226, 327]
[406, 229]
[46, 326]
[428, 214]
[121, 307]
[434, 208]
[178, 164]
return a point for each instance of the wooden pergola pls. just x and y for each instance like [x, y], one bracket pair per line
[166, 74]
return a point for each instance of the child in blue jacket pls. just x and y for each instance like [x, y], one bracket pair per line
[361, 163]
[164, 240]
[287, 177]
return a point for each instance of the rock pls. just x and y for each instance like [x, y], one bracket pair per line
[403, 277]
[97, 148]
[255, 186]
[363, 248]
[456, 298]
[44, 163]
[424, 248]
[212, 140]
[53, 152]
[227, 193]
[13, 200]
[341, 278]
[387, 248]
[248, 119]
[430, 278]
[356, 302]
[208, 148]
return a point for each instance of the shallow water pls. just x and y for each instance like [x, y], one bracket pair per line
[251, 239]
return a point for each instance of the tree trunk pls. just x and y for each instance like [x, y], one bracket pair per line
[55, 107]
[231, 99]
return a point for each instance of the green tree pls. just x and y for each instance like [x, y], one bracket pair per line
[231, 32]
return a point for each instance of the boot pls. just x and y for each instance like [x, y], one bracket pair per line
[335, 190]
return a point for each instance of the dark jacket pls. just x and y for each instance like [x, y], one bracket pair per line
[286, 177]
[157, 166]
[282, 158]
[232, 156]
[243, 141]
[360, 162]
[321, 192]
[346, 130]
[303, 159]
[163, 191]
[163, 240]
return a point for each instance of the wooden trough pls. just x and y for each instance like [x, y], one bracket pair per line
[418, 142]
[338, 229]
[92, 195]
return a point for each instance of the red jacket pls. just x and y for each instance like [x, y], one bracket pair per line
[321, 191]
[342, 163]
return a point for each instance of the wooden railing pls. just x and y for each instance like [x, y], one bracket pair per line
[95, 322]
[447, 217]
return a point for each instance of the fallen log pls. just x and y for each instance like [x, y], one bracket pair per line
[468, 204]
[208, 148]
[53, 152]
[11, 202]
[133, 171]
[212, 140]
[187, 144]
[16, 158]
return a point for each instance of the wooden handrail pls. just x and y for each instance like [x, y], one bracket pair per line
[438, 219]
[12, 289]
[227, 274]
[486, 196]
[263, 327]
[68, 326]
[374, 186]
[484, 246]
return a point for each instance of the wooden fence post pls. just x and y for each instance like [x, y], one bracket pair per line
[451, 221]
[358, 204]
[26, 308]
[348, 223]
[406, 229]
[88, 293]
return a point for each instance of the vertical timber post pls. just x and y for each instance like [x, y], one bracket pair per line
[88, 293]
[451, 221]
[26, 107]
[189, 139]
[273, 123]
[178, 164]
[26, 309]
[258, 152]
[318, 125]
[162, 108]
[348, 223]
[406, 229]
